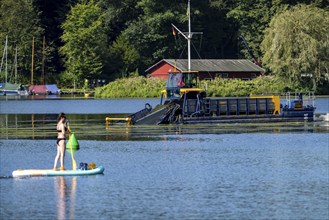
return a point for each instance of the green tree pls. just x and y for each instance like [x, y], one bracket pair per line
[210, 18]
[296, 45]
[252, 17]
[124, 57]
[85, 42]
[151, 32]
[118, 15]
[19, 20]
[52, 15]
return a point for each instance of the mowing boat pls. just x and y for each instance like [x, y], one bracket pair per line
[184, 101]
[187, 103]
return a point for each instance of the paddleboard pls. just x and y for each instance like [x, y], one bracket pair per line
[51, 172]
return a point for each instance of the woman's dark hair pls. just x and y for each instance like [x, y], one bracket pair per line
[61, 115]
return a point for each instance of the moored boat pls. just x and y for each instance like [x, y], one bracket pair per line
[13, 89]
[53, 89]
[38, 90]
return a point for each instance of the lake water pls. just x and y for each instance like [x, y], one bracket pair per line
[54, 105]
[218, 171]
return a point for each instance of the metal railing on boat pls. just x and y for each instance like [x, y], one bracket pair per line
[109, 120]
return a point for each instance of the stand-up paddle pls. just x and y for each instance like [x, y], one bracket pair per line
[74, 163]
[73, 145]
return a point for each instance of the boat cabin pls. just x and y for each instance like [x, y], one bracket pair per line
[180, 84]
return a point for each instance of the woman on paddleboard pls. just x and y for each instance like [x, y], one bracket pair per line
[61, 137]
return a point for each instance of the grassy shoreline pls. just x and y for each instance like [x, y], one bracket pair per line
[142, 87]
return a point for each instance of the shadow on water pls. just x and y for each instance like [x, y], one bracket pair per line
[93, 127]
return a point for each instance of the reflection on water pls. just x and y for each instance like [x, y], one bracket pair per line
[42, 126]
[36, 119]
[65, 193]
[93, 127]
[60, 190]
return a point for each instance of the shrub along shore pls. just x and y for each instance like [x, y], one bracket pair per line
[142, 87]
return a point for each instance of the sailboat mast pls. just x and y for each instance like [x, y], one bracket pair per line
[3, 57]
[43, 60]
[189, 36]
[6, 67]
[16, 66]
[32, 64]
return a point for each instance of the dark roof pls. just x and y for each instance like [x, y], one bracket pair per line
[212, 65]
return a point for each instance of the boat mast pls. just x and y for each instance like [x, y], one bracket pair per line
[16, 65]
[3, 56]
[189, 36]
[32, 61]
[6, 67]
[43, 60]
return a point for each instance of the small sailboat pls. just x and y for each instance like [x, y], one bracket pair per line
[42, 89]
[8, 88]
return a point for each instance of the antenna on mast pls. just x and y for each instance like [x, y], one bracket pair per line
[188, 36]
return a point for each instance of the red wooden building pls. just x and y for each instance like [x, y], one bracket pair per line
[208, 69]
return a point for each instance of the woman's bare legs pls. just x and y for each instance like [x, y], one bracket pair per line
[62, 152]
[57, 157]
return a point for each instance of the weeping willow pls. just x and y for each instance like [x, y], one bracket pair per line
[296, 46]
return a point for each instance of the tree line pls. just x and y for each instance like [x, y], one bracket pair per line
[99, 39]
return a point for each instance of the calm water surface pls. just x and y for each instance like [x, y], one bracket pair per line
[54, 105]
[228, 176]
[224, 171]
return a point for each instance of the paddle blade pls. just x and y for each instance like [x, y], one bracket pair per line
[74, 165]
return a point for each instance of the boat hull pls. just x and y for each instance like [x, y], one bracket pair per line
[306, 113]
[9, 92]
[243, 119]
